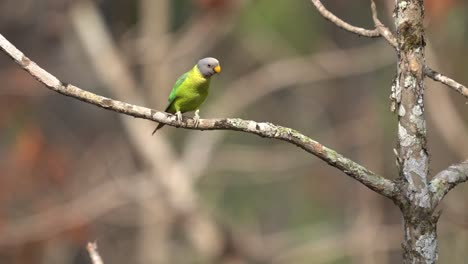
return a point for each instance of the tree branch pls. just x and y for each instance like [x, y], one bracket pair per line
[447, 179]
[439, 77]
[387, 34]
[93, 253]
[342, 24]
[383, 30]
[371, 180]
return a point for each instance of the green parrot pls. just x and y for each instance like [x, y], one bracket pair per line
[191, 89]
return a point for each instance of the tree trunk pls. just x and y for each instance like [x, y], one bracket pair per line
[420, 239]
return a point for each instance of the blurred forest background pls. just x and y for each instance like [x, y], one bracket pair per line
[72, 173]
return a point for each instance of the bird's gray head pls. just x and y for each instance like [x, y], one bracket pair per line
[209, 67]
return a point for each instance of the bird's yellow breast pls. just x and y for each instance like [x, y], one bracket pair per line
[197, 76]
[193, 91]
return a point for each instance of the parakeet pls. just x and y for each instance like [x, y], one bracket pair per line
[191, 89]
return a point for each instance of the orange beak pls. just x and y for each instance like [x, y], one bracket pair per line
[217, 69]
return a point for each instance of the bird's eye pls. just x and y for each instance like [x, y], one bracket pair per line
[209, 65]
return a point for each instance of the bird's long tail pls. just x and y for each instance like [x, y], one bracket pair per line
[157, 128]
[160, 125]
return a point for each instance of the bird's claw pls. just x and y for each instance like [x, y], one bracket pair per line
[196, 118]
[179, 117]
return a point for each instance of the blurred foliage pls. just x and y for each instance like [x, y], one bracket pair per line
[54, 149]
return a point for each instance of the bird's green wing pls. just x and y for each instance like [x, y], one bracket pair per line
[178, 83]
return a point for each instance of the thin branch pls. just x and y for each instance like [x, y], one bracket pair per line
[447, 179]
[439, 77]
[447, 119]
[380, 29]
[375, 182]
[342, 24]
[383, 30]
[93, 253]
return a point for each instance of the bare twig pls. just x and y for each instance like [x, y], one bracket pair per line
[447, 179]
[383, 30]
[439, 77]
[268, 130]
[342, 24]
[93, 253]
[445, 116]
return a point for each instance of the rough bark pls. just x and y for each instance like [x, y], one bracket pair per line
[420, 239]
[448, 179]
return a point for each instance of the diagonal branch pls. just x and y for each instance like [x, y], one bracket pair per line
[368, 178]
[439, 77]
[447, 179]
[342, 24]
[383, 30]
[93, 253]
